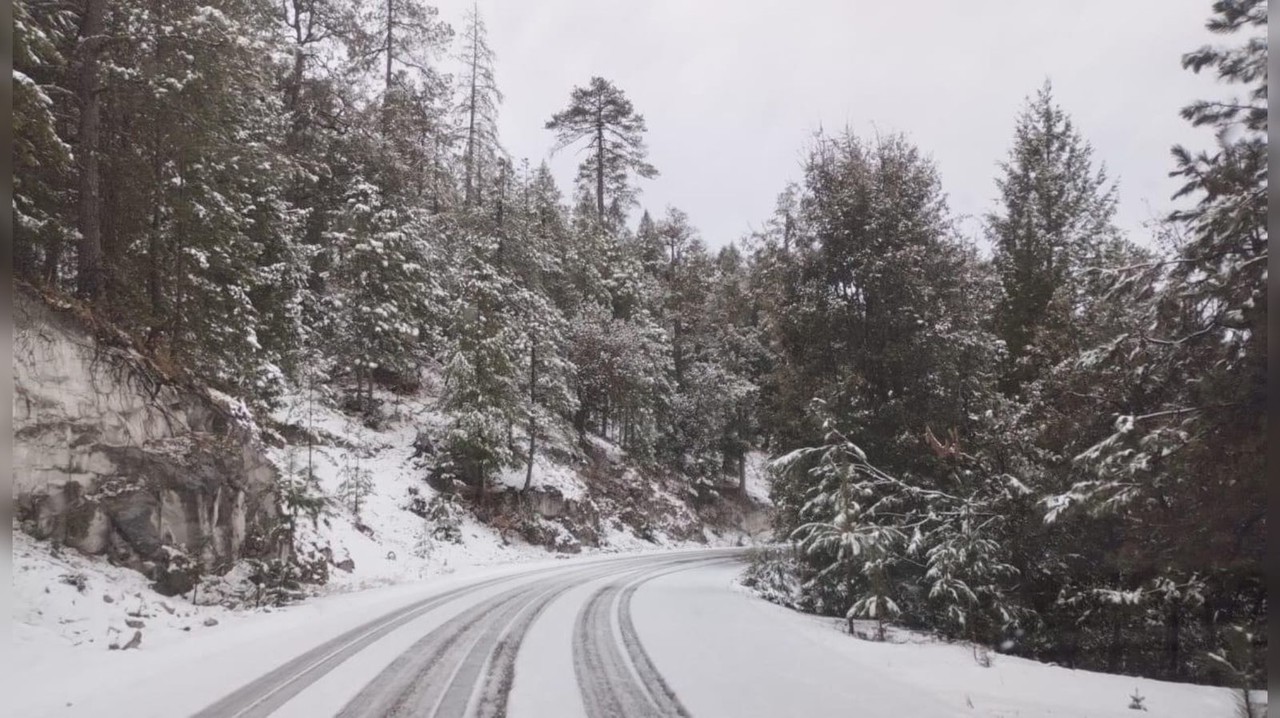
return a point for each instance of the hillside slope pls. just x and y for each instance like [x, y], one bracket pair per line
[149, 505]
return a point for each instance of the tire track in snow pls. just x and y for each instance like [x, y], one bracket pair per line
[265, 694]
[621, 680]
[467, 665]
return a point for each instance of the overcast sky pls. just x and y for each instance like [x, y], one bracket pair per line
[732, 90]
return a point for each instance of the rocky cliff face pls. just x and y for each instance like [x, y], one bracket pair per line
[113, 458]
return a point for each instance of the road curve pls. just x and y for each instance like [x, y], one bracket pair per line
[465, 665]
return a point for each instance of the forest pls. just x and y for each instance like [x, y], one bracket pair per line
[1052, 444]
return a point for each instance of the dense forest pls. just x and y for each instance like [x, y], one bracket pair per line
[1055, 447]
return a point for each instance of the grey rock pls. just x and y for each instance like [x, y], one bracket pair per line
[135, 641]
[112, 457]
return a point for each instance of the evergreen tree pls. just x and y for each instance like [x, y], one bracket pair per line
[1182, 472]
[1055, 221]
[601, 114]
[478, 106]
[42, 158]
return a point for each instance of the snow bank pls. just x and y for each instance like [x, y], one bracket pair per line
[754, 659]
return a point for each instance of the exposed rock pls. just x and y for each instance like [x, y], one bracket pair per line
[113, 457]
[347, 564]
[547, 502]
[107, 599]
[134, 623]
[135, 641]
[211, 621]
[423, 446]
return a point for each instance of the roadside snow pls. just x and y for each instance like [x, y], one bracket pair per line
[67, 603]
[174, 672]
[758, 481]
[753, 658]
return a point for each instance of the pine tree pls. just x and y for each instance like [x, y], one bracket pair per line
[601, 114]
[1182, 472]
[42, 158]
[383, 295]
[355, 487]
[397, 36]
[483, 396]
[1055, 221]
[478, 107]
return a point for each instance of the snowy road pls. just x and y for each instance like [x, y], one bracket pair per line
[466, 662]
[661, 634]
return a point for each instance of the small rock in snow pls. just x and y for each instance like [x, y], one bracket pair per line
[211, 621]
[134, 623]
[135, 641]
[107, 599]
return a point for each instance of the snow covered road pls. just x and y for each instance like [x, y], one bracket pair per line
[661, 634]
[466, 663]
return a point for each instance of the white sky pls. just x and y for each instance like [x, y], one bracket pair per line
[732, 90]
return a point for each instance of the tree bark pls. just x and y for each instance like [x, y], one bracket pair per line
[390, 15]
[471, 112]
[1173, 642]
[600, 163]
[533, 422]
[89, 278]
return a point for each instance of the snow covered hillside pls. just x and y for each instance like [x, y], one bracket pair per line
[575, 502]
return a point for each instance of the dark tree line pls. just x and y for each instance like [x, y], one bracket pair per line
[1060, 450]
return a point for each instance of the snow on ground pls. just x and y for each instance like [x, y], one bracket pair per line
[758, 481]
[65, 601]
[547, 474]
[69, 602]
[726, 652]
[393, 546]
[175, 672]
[68, 608]
[611, 451]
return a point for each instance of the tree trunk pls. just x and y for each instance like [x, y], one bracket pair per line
[533, 423]
[52, 258]
[600, 164]
[293, 96]
[155, 291]
[471, 112]
[89, 276]
[501, 214]
[1173, 642]
[390, 15]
